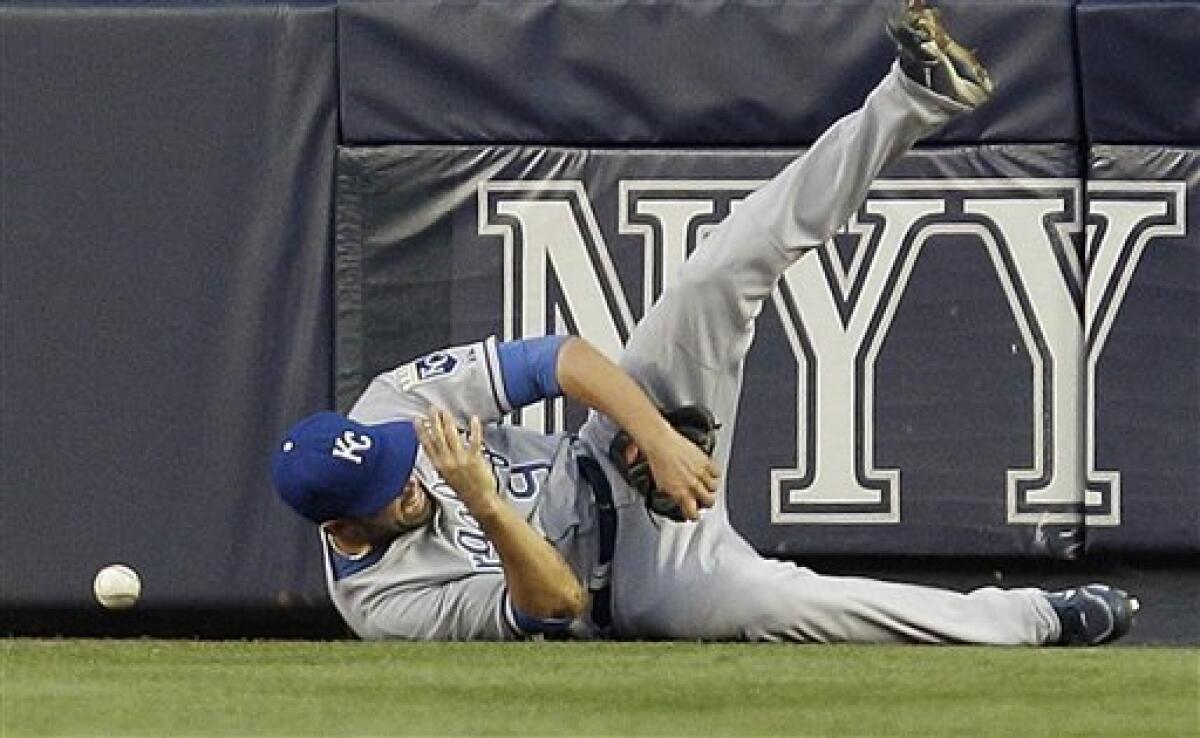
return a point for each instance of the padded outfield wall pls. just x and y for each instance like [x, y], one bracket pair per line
[221, 217]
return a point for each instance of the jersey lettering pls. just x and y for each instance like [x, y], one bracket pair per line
[475, 542]
[526, 480]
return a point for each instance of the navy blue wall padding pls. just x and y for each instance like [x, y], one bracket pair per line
[1148, 372]
[672, 73]
[166, 250]
[1140, 71]
[954, 386]
[166, 207]
[1140, 86]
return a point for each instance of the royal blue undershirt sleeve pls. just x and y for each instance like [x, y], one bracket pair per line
[527, 625]
[529, 369]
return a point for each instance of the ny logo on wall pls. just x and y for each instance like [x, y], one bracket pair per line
[837, 307]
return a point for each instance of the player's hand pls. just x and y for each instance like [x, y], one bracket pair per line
[683, 472]
[462, 466]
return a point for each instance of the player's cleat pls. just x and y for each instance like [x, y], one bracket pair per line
[1092, 614]
[933, 59]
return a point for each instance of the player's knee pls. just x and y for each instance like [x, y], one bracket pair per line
[706, 293]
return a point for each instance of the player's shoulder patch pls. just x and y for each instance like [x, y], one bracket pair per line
[433, 366]
[437, 364]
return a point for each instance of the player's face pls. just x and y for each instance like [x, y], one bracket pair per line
[411, 509]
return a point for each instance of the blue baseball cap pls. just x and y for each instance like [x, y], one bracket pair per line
[330, 467]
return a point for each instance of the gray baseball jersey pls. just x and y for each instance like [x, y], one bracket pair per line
[444, 581]
[672, 580]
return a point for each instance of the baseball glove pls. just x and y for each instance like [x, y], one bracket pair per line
[695, 423]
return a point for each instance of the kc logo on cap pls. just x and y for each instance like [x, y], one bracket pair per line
[349, 444]
[331, 467]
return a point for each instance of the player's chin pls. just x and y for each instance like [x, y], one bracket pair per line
[416, 508]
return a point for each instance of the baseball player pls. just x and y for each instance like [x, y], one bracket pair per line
[437, 522]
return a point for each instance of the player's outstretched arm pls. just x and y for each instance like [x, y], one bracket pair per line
[539, 581]
[682, 471]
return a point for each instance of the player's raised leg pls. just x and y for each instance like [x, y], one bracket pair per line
[933, 79]
[689, 347]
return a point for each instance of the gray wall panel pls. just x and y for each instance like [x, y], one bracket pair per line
[166, 190]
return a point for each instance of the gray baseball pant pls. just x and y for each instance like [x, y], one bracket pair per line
[702, 580]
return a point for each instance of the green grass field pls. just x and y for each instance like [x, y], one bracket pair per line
[167, 688]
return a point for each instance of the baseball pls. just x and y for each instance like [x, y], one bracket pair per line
[117, 587]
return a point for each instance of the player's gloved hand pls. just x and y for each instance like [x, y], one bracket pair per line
[680, 450]
[462, 466]
[682, 472]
